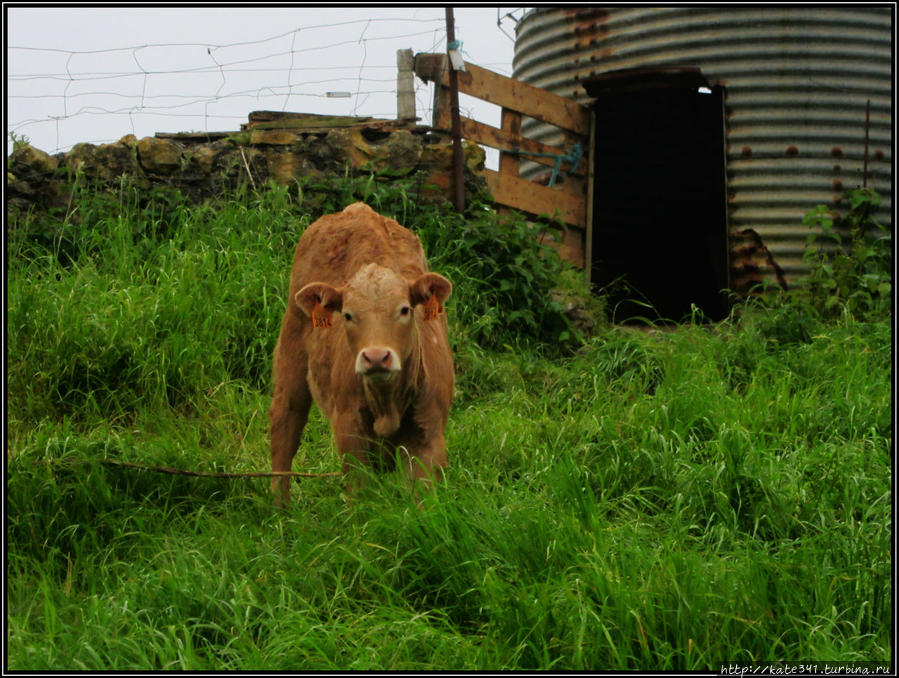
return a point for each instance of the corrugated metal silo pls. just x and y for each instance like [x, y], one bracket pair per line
[797, 83]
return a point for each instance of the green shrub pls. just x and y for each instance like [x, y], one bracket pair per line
[504, 274]
[850, 257]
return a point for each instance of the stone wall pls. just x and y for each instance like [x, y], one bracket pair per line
[270, 147]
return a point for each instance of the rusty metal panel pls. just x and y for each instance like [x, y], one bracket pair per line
[797, 79]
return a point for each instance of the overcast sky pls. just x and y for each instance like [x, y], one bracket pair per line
[93, 75]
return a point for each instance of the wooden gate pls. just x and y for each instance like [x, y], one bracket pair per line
[568, 195]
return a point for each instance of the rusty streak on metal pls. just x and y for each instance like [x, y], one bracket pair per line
[454, 115]
[750, 258]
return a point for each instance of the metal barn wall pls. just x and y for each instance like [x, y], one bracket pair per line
[797, 83]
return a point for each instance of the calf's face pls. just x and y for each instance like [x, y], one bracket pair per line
[377, 309]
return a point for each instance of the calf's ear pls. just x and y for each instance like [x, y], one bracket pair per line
[428, 285]
[318, 301]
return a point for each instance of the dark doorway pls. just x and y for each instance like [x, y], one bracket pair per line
[660, 204]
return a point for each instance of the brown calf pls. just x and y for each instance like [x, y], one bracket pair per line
[364, 336]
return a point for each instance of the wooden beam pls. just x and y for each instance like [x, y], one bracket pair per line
[456, 125]
[509, 164]
[508, 93]
[503, 140]
[442, 118]
[497, 138]
[536, 199]
[194, 136]
[571, 247]
[287, 119]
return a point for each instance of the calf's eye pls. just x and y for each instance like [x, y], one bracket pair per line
[405, 310]
[348, 317]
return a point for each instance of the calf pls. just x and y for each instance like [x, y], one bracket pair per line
[365, 336]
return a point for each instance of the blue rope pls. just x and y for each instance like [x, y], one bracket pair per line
[574, 158]
[456, 45]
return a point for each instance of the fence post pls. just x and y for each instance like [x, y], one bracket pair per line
[454, 110]
[405, 91]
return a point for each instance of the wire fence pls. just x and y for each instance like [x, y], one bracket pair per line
[59, 97]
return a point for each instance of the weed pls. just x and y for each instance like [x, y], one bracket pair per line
[18, 141]
[850, 257]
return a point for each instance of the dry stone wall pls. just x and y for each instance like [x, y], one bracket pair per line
[279, 150]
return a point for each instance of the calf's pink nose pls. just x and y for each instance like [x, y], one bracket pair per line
[376, 359]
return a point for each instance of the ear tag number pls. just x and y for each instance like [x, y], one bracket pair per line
[320, 316]
[432, 307]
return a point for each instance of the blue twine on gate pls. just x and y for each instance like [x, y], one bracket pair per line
[574, 157]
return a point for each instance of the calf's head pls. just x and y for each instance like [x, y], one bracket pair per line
[377, 308]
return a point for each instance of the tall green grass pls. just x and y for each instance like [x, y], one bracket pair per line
[673, 499]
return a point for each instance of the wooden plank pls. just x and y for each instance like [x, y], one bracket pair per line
[536, 199]
[575, 185]
[286, 119]
[510, 164]
[571, 247]
[497, 138]
[508, 93]
[442, 116]
[200, 137]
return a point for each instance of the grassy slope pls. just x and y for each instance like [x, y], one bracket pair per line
[661, 500]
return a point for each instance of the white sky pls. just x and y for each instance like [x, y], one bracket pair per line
[96, 74]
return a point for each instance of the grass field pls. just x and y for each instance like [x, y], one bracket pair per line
[674, 499]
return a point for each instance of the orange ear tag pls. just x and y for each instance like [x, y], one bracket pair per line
[432, 307]
[320, 316]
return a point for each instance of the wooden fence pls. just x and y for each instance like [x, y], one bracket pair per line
[570, 196]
